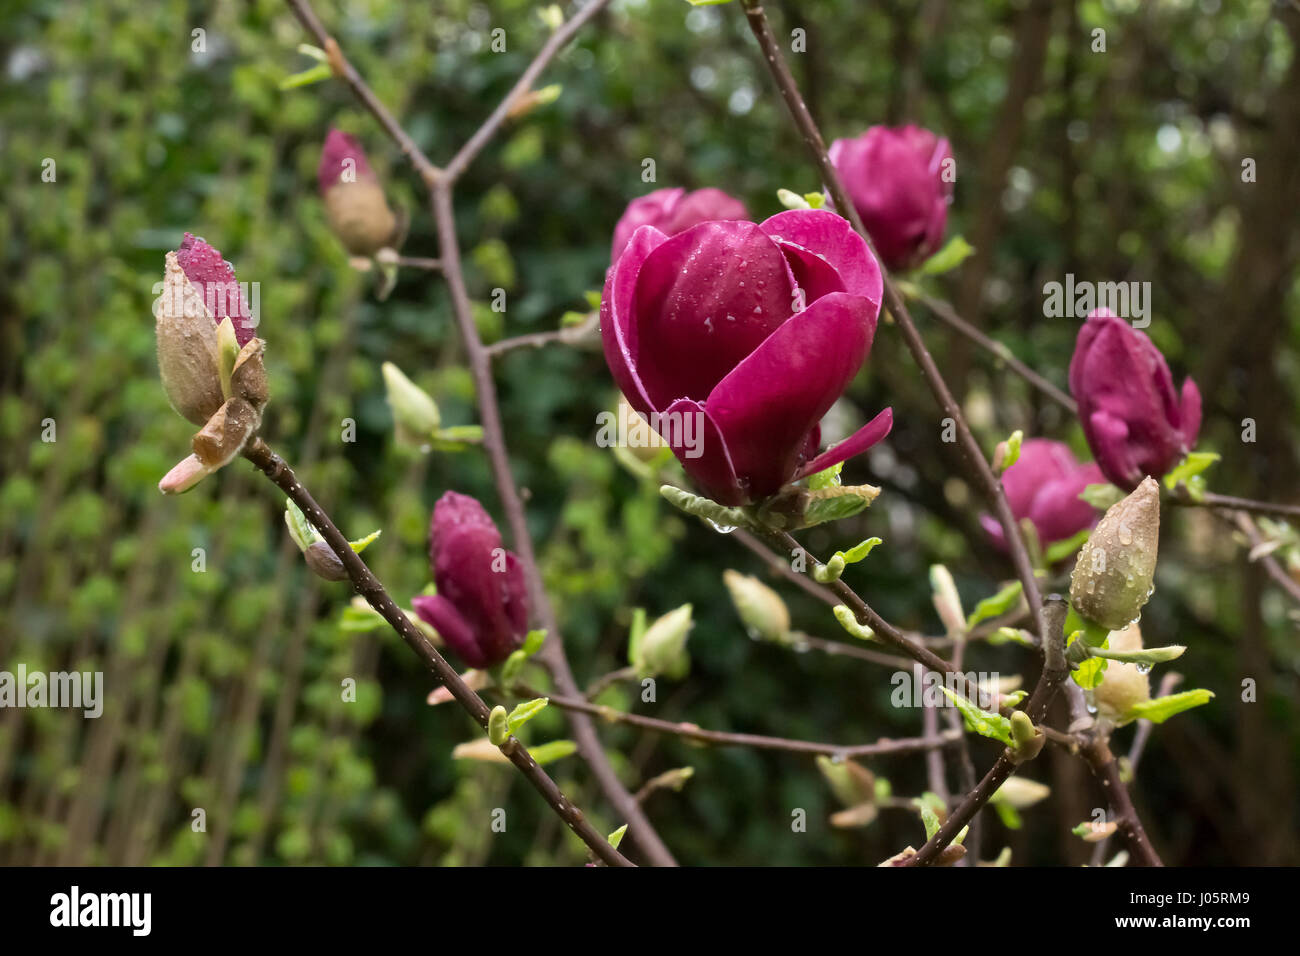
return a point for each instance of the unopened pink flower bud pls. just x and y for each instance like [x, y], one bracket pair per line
[354, 201]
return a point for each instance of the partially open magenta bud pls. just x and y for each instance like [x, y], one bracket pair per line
[899, 179]
[481, 608]
[208, 358]
[1136, 423]
[672, 211]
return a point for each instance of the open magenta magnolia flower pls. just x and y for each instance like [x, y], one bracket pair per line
[1135, 423]
[672, 211]
[734, 339]
[354, 201]
[481, 608]
[1043, 486]
[895, 177]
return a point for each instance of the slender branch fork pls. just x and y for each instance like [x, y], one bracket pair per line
[440, 182]
[1052, 676]
[886, 745]
[275, 468]
[812, 137]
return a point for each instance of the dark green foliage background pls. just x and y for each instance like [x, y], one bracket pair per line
[223, 686]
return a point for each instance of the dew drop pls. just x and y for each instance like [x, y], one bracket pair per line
[721, 528]
[1143, 667]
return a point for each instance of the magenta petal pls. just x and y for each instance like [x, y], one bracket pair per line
[832, 238]
[865, 437]
[1121, 381]
[814, 277]
[1109, 438]
[474, 574]
[214, 280]
[993, 528]
[617, 332]
[1058, 512]
[1189, 413]
[652, 209]
[703, 205]
[704, 300]
[342, 154]
[698, 444]
[516, 592]
[766, 406]
[439, 613]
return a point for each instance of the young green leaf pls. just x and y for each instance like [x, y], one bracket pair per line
[1102, 496]
[551, 751]
[1160, 709]
[948, 258]
[525, 712]
[982, 722]
[1188, 471]
[362, 543]
[998, 604]
[849, 621]
[1063, 549]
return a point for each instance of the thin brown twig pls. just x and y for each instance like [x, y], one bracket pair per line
[1135, 751]
[812, 137]
[369, 587]
[552, 654]
[1055, 671]
[345, 71]
[948, 315]
[690, 731]
[1208, 499]
[439, 183]
[573, 335]
[557, 42]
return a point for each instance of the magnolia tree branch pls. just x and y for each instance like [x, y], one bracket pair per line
[1228, 508]
[979, 466]
[1209, 499]
[1055, 671]
[948, 315]
[439, 182]
[369, 587]
[1135, 751]
[552, 654]
[345, 72]
[885, 745]
[1127, 822]
[557, 42]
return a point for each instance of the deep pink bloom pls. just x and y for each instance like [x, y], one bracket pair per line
[672, 211]
[481, 608]
[214, 280]
[1043, 486]
[339, 149]
[895, 177]
[734, 339]
[1135, 423]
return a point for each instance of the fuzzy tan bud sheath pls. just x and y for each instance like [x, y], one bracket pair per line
[208, 377]
[1113, 577]
[354, 201]
[187, 347]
